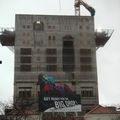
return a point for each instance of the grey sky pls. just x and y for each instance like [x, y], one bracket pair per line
[108, 57]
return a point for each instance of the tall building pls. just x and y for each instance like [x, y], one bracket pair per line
[61, 46]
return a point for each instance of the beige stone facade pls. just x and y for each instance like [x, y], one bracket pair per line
[62, 46]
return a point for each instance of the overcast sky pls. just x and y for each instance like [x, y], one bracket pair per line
[108, 58]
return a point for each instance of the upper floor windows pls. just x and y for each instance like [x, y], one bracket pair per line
[50, 51]
[25, 51]
[51, 27]
[25, 92]
[38, 26]
[51, 68]
[25, 59]
[86, 68]
[87, 92]
[85, 52]
[25, 68]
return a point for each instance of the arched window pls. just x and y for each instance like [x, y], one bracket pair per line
[38, 26]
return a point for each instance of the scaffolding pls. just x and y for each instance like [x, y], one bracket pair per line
[7, 36]
[102, 36]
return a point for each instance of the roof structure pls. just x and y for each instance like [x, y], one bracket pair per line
[101, 110]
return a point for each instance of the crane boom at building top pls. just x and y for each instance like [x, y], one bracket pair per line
[88, 7]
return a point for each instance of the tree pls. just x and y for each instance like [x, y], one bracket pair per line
[21, 110]
[15, 111]
[3, 107]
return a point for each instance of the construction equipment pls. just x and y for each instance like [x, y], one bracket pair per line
[7, 36]
[88, 7]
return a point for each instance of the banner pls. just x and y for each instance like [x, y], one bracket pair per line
[56, 97]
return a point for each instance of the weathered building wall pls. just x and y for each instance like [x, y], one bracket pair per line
[39, 48]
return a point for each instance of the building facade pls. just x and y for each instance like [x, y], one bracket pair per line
[62, 46]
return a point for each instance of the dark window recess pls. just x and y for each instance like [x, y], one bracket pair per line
[68, 55]
[85, 60]
[49, 37]
[68, 44]
[68, 51]
[38, 26]
[87, 93]
[73, 83]
[53, 37]
[51, 60]
[24, 94]
[85, 51]
[68, 68]
[25, 51]
[38, 93]
[49, 27]
[25, 68]
[25, 59]
[51, 51]
[51, 68]
[86, 68]
[68, 60]
[73, 76]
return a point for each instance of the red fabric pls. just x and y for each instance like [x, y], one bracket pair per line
[46, 88]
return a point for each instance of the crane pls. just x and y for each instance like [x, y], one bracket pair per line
[88, 7]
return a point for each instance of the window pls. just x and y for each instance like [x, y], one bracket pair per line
[68, 51]
[51, 59]
[85, 60]
[25, 94]
[85, 51]
[68, 60]
[49, 27]
[53, 37]
[80, 27]
[25, 51]
[38, 26]
[28, 26]
[51, 68]
[86, 68]
[87, 93]
[49, 37]
[25, 68]
[68, 68]
[25, 59]
[51, 51]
